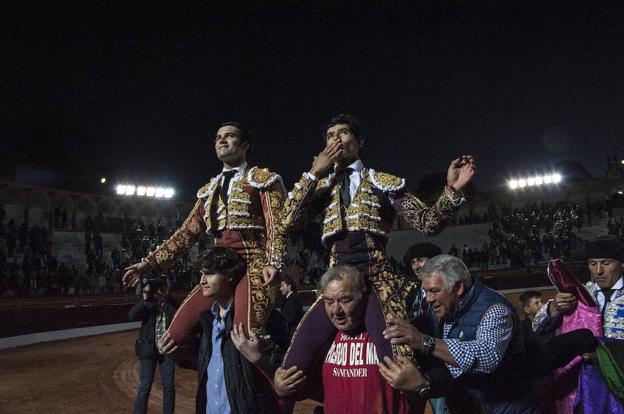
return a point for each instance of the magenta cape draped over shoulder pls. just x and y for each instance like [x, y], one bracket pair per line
[587, 316]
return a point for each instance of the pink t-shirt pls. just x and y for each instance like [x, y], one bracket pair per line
[351, 379]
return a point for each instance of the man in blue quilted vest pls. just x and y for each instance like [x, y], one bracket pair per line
[477, 335]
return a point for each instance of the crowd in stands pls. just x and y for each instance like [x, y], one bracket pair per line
[615, 227]
[59, 219]
[27, 264]
[518, 238]
[526, 236]
[29, 268]
[590, 213]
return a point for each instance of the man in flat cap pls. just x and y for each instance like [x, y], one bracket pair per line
[605, 261]
[414, 259]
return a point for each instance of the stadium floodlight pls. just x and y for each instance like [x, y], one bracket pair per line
[144, 191]
[534, 181]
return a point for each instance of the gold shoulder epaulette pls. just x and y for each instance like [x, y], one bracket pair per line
[386, 182]
[262, 177]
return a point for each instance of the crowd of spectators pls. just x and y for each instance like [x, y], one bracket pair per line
[615, 227]
[28, 266]
[59, 218]
[518, 238]
[526, 236]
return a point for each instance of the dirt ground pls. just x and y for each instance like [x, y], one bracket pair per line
[96, 374]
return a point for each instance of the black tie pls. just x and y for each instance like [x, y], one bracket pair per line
[345, 182]
[607, 294]
[223, 192]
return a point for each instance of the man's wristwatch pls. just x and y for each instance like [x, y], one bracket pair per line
[424, 390]
[427, 344]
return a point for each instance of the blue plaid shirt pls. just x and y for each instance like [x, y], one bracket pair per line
[483, 354]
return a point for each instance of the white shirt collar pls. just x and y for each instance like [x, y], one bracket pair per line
[239, 169]
[619, 284]
[356, 165]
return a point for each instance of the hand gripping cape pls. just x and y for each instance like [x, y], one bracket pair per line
[587, 316]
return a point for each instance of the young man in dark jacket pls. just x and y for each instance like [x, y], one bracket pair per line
[155, 310]
[232, 370]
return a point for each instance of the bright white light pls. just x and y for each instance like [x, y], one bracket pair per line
[103, 180]
[536, 180]
[144, 191]
[620, 192]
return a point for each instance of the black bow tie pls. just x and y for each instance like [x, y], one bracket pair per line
[607, 294]
[345, 183]
[223, 191]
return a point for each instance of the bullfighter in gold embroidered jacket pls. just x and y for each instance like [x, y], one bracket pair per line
[357, 207]
[241, 208]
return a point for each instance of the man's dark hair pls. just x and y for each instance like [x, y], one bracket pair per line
[525, 298]
[350, 120]
[245, 134]
[222, 260]
[290, 282]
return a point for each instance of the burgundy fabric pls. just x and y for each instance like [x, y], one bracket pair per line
[314, 332]
[375, 324]
[187, 315]
[566, 282]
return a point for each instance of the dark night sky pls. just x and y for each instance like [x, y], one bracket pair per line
[134, 90]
